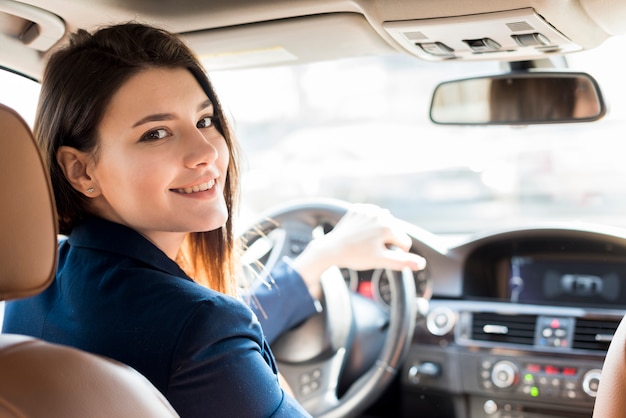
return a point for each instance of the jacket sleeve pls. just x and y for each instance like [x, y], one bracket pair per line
[223, 366]
[282, 302]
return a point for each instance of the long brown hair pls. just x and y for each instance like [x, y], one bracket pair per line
[78, 84]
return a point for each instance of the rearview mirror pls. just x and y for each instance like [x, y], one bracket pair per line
[518, 98]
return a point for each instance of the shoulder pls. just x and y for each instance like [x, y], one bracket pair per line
[213, 322]
[224, 317]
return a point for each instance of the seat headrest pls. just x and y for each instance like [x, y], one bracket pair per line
[28, 223]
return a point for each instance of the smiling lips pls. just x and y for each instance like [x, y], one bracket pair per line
[197, 188]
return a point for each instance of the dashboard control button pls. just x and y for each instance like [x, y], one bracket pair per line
[504, 374]
[490, 407]
[425, 369]
[591, 381]
[440, 321]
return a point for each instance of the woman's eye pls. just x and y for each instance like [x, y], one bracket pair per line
[154, 135]
[205, 122]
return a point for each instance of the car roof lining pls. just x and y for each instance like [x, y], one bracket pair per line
[350, 27]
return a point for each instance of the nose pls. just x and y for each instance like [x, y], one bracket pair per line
[201, 147]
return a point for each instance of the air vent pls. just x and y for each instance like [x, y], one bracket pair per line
[592, 334]
[512, 329]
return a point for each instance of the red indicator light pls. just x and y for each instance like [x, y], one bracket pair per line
[533, 368]
[552, 370]
[555, 324]
[365, 289]
[569, 371]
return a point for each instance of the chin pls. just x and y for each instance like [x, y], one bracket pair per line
[216, 221]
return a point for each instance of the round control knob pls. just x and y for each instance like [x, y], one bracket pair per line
[440, 321]
[591, 381]
[490, 407]
[504, 374]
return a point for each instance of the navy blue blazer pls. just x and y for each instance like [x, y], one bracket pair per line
[282, 301]
[118, 295]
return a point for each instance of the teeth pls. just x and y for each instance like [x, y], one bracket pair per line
[197, 188]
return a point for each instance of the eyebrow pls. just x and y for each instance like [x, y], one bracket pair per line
[168, 116]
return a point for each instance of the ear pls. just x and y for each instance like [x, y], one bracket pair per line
[74, 164]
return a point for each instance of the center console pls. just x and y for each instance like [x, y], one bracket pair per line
[502, 360]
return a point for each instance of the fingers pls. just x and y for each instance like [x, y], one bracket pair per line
[397, 260]
[396, 237]
[392, 233]
[379, 239]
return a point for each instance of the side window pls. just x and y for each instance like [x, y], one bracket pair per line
[19, 93]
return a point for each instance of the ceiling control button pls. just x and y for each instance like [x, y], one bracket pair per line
[437, 48]
[531, 39]
[482, 45]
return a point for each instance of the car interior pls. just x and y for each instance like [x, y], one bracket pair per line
[518, 311]
[38, 378]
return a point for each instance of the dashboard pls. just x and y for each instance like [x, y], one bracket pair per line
[518, 323]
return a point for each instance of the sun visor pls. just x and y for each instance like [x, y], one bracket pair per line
[287, 41]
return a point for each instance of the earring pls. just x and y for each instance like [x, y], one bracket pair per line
[90, 190]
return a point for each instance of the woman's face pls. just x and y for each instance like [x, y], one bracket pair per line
[161, 162]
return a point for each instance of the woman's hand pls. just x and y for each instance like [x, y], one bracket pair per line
[367, 237]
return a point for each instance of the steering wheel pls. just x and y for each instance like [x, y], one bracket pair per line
[314, 357]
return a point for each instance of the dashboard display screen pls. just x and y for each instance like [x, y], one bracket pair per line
[575, 281]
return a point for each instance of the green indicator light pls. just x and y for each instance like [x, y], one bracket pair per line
[528, 377]
[534, 391]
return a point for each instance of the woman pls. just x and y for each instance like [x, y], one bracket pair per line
[145, 174]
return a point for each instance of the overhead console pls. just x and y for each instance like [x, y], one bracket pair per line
[516, 34]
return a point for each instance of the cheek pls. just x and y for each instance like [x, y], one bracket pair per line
[224, 155]
[119, 173]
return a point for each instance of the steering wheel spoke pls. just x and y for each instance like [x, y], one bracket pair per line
[315, 383]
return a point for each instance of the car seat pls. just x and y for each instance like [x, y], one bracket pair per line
[39, 379]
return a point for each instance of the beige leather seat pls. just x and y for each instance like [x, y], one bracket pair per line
[611, 396]
[38, 379]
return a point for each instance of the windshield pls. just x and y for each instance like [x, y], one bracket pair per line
[358, 130]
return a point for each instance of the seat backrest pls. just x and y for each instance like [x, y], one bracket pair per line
[28, 233]
[39, 379]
